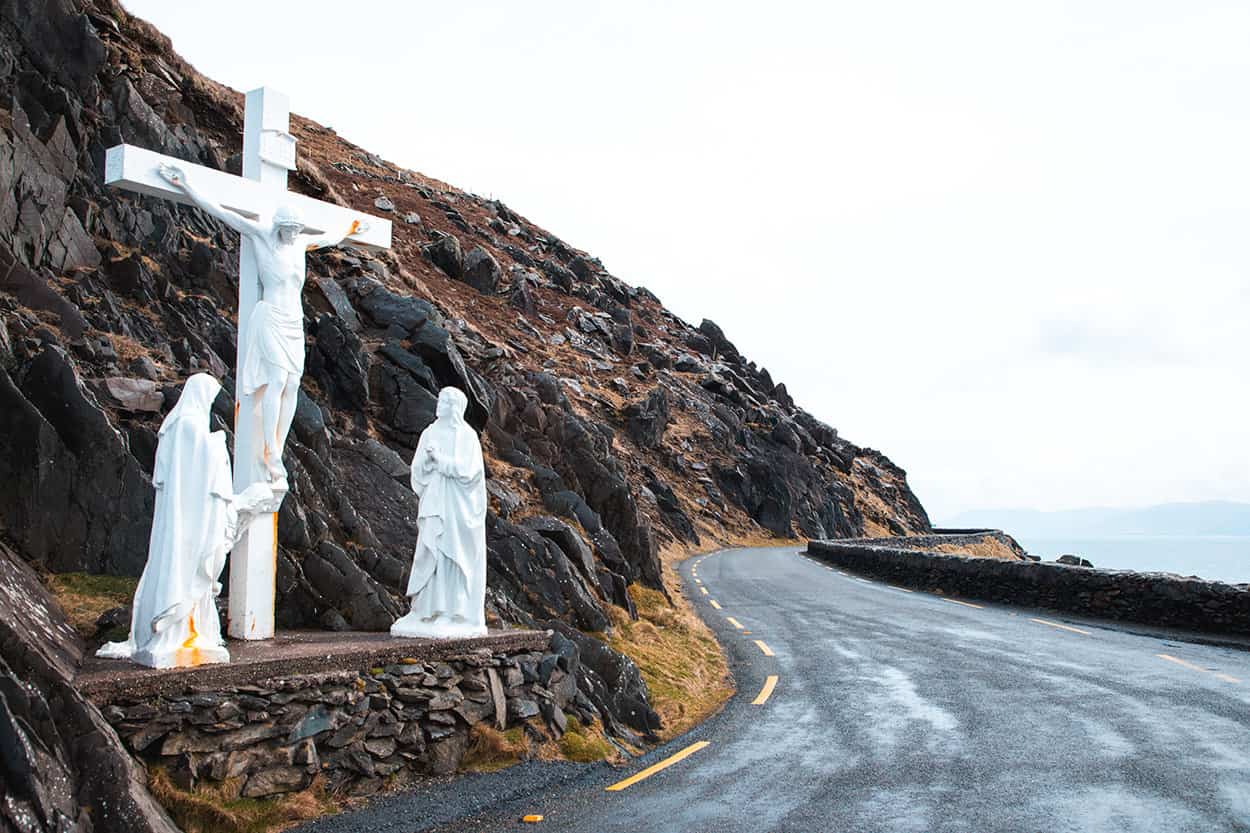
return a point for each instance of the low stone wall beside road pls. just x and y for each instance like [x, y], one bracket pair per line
[354, 728]
[1152, 598]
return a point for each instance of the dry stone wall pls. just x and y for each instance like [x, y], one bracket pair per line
[354, 728]
[1152, 598]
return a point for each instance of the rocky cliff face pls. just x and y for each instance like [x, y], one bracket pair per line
[611, 428]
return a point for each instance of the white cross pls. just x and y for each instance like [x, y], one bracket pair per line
[268, 154]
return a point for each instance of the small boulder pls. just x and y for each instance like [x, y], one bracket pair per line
[522, 298]
[144, 368]
[140, 395]
[276, 780]
[383, 203]
[481, 271]
[446, 254]
[687, 363]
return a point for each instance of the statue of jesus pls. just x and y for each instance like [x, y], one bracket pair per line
[272, 341]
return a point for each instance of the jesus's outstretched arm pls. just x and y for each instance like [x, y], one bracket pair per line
[321, 241]
[175, 176]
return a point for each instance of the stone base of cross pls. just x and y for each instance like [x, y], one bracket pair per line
[268, 155]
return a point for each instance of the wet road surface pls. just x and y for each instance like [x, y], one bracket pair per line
[863, 707]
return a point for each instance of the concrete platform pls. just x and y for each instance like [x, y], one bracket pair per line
[289, 653]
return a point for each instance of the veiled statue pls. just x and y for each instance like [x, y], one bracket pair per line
[174, 619]
[447, 586]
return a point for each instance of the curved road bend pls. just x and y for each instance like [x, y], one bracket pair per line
[900, 711]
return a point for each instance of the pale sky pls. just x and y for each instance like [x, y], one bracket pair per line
[1005, 243]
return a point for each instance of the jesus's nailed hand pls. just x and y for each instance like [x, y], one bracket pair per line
[172, 174]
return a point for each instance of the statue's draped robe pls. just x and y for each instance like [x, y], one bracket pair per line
[447, 585]
[273, 346]
[174, 619]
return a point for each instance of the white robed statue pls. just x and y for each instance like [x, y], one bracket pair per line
[174, 619]
[447, 586]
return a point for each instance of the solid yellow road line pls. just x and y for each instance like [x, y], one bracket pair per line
[654, 768]
[703, 590]
[715, 604]
[767, 691]
[896, 587]
[1182, 663]
[734, 622]
[1061, 627]
[958, 602]
[768, 652]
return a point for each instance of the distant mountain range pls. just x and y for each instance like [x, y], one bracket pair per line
[1205, 518]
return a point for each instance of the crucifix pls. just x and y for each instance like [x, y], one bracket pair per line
[277, 228]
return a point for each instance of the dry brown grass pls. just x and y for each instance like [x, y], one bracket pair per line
[682, 663]
[218, 809]
[491, 750]
[128, 348]
[872, 529]
[84, 597]
[985, 548]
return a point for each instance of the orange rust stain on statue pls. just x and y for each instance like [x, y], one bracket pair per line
[275, 552]
[188, 654]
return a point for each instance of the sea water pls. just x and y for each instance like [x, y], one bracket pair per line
[1217, 557]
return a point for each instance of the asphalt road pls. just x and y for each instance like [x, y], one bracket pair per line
[901, 711]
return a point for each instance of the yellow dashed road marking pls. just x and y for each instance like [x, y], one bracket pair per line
[734, 622]
[768, 652]
[654, 768]
[1183, 664]
[958, 602]
[769, 684]
[896, 587]
[703, 590]
[1061, 627]
[715, 604]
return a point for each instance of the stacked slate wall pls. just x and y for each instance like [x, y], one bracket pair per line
[1151, 598]
[354, 728]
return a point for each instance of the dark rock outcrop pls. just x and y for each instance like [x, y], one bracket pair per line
[63, 766]
[646, 420]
